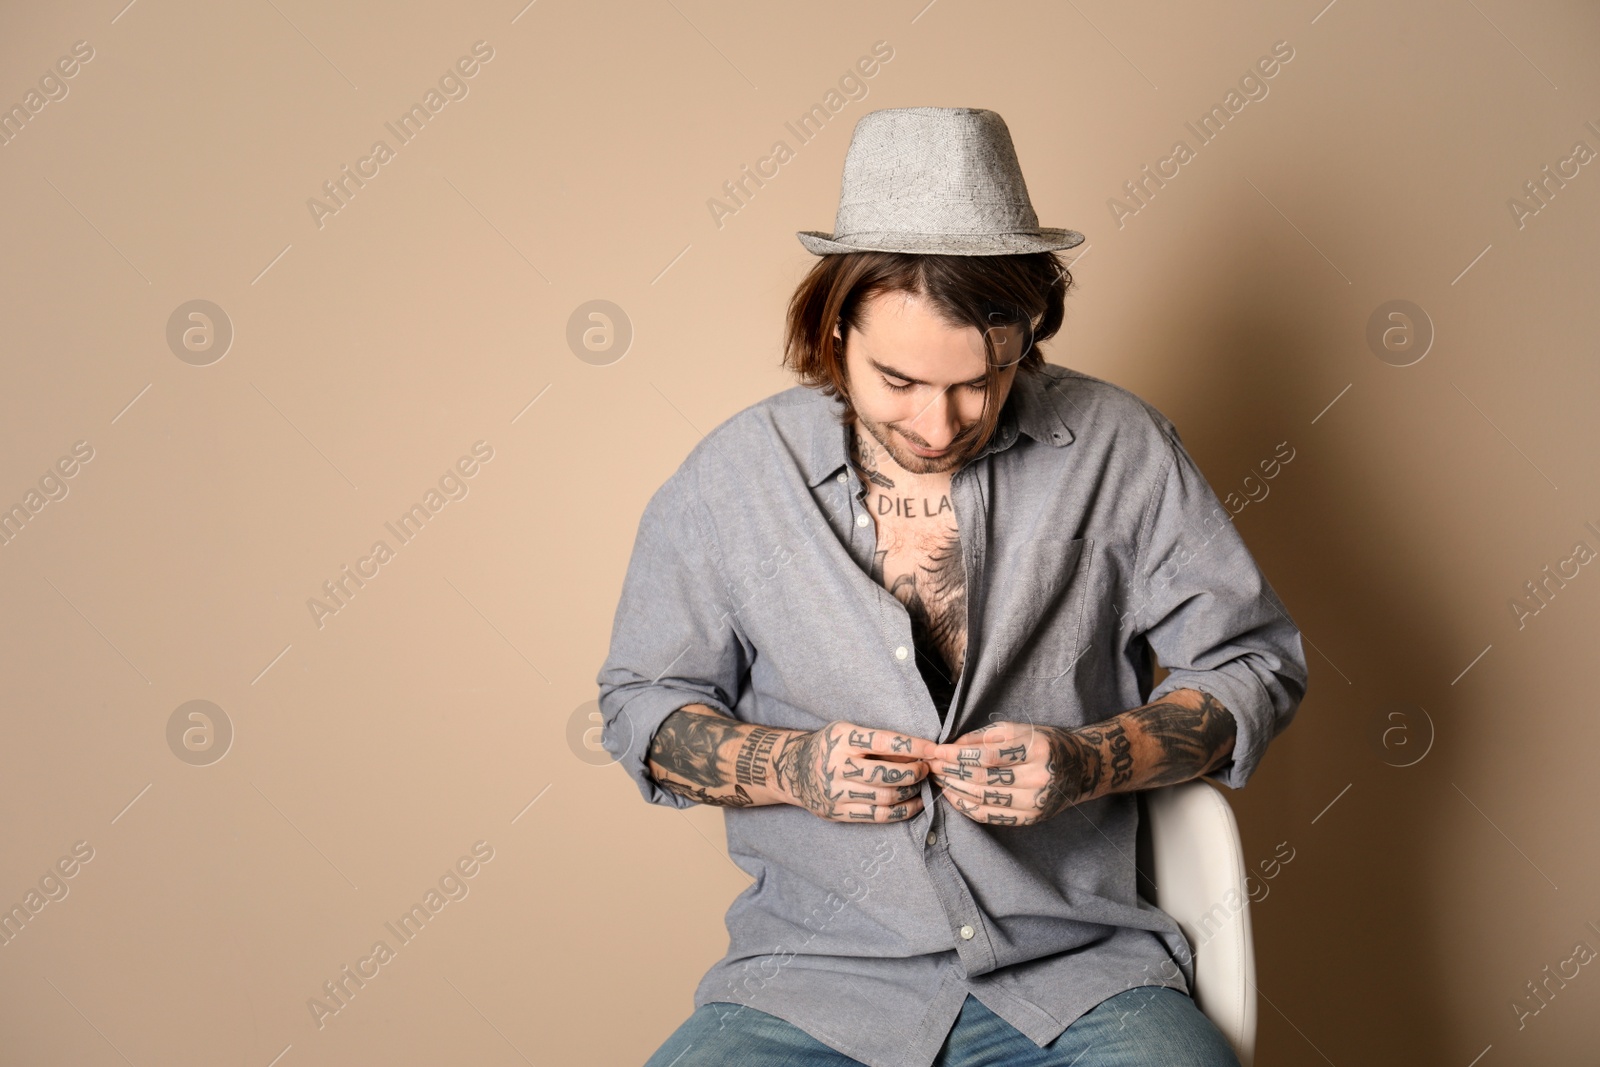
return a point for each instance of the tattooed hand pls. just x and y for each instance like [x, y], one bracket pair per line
[1018, 774]
[849, 773]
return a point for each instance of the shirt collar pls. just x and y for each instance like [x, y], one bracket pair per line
[1032, 407]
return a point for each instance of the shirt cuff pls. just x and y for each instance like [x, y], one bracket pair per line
[628, 734]
[1242, 693]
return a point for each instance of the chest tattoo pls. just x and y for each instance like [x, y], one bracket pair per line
[919, 561]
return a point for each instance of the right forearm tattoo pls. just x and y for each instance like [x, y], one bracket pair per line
[686, 745]
[687, 758]
[755, 755]
[738, 799]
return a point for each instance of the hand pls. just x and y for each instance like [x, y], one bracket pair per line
[1018, 774]
[849, 773]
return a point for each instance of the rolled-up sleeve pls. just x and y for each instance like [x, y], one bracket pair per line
[673, 639]
[1211, 617]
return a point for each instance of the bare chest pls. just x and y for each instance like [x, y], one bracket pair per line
[919, 561]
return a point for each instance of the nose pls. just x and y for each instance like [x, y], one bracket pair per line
[939, 422]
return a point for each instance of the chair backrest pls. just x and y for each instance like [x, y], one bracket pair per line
[1191, 866]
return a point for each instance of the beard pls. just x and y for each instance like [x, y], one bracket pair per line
[890, 440]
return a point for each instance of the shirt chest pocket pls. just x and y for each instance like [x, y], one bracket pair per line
[1040, 607]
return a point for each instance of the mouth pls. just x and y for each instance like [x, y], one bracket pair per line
[926, 453]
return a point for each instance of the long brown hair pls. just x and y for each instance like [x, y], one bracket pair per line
[977, 291]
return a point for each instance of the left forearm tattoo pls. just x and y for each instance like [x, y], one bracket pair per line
[1182, 742]
[1147, 747]
[1186, 734]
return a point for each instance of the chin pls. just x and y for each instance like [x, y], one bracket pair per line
[927, 464]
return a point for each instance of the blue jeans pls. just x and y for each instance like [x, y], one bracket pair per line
[1145, 1025]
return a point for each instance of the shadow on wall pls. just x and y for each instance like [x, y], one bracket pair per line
[1349, 932]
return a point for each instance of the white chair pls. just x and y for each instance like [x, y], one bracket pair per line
[1191, 866]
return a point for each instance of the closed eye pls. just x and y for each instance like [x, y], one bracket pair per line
[980, 384]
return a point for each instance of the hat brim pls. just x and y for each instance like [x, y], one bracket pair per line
[948, 244]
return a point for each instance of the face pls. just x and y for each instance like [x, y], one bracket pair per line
[917, 383]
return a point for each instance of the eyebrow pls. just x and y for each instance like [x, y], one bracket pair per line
[886, 369]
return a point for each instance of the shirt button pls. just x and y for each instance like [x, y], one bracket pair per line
[861, 520]
[901, 653]
[932, 837]
[967, 932]
[843, 477]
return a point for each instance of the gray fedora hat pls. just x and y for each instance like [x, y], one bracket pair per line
[934, 180]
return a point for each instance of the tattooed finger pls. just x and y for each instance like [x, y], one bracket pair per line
[866, 812]
[993, 754]
[989, 814]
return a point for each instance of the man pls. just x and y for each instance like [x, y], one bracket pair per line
[899, 621]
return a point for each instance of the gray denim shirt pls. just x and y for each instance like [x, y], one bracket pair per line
[1091, 542]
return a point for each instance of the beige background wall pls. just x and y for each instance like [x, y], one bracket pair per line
[438, 708]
